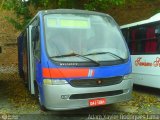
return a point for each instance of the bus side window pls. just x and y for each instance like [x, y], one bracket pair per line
[133, 41]
[36, 44]
[157, 33]
[138, 38]
[151, 43]
[141, 39]
[126, 34]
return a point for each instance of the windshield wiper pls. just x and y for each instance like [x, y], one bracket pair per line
[78, 55]
[96, 53]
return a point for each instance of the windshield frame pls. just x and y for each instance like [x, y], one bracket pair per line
[86, 63]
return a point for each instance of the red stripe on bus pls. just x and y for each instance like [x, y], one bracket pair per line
[65, 72]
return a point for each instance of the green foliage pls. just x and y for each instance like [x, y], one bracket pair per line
[8, 4]
[40, 3]
[22, 9]
[16, 24]
[156, 11]
[102, 4]
[67, 3]
[50, 4]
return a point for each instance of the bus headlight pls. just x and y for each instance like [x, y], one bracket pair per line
[126, 77]
[54, 82]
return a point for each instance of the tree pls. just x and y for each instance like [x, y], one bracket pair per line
[102, 5]
[22, 9]
[2, 4]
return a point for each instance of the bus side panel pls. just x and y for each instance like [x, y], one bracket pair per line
[39, 63]
[146, 70]
[20, 55]
[146, 64]
[146, 80]
[39, 80]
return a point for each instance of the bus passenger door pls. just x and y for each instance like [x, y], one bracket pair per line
[36, 58]
[31, 60]
[37, 55]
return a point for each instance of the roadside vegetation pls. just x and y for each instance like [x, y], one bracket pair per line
[26, 9]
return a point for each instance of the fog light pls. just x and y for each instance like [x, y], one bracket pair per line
[126, 77]
[59, 82]
[64, 96]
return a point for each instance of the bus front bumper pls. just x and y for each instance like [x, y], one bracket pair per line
[58, 97]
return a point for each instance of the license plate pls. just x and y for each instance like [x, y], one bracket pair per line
[97, 102]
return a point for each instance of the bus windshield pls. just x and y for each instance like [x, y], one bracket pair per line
[70, 36]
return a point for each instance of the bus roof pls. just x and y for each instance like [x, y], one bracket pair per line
[67, 11]
[154, 18]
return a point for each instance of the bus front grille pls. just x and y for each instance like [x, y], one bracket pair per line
[94, 95]
[96, 82]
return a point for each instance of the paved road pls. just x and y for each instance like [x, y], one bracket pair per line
[16, 103]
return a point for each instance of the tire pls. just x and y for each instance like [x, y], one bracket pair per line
[43, 108]
[37, 96]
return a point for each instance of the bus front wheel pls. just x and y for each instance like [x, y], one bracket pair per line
[37, 95]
